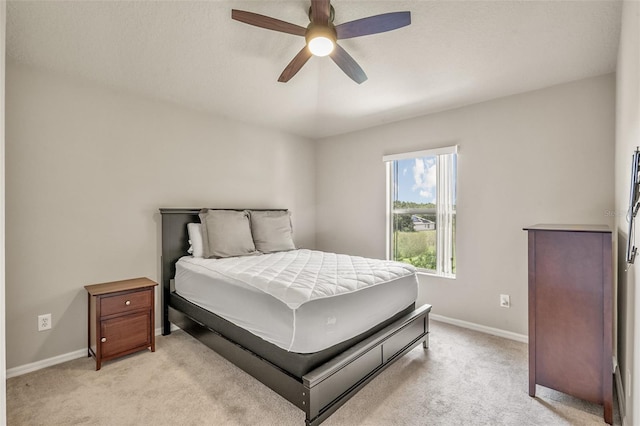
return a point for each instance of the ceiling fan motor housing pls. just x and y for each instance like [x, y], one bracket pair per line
[332, 14]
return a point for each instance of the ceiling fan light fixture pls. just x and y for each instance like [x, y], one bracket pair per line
[321, 46]
[321, 40]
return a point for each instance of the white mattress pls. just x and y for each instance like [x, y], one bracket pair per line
[302, 300]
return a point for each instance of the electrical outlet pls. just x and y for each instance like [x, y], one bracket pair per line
[505, 302]
[44, 322]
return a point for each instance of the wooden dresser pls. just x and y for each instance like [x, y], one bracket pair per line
[121, 318]
[570, 312]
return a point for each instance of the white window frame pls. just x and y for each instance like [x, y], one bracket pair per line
[445, 207]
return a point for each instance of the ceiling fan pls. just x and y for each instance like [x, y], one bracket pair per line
[321, 35]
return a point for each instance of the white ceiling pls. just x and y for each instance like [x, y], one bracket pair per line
[190, 52]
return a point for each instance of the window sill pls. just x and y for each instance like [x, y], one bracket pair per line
[433, 274]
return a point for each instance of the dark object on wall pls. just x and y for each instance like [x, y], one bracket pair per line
[571, 312]
[634, 204]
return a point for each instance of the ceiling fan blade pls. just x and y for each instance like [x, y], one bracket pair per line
[348, 65]
[320, 10]
[373, 25]
[267, 22]
[294, 66]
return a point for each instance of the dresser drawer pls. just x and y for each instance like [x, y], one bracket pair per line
[127, 302]
[125, 333]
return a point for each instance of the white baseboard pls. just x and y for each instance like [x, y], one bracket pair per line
[38, 365]
[482, 328]
[70, 356]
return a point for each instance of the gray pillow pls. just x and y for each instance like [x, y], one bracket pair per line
[271, 231]
[226, 233]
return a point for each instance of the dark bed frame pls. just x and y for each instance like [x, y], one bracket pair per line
[318, 392]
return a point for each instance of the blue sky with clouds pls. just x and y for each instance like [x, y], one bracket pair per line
[417, 180]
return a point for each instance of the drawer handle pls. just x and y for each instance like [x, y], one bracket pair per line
[104, 339]
[128, 302]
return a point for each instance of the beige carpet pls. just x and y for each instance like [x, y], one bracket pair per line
[465, 378]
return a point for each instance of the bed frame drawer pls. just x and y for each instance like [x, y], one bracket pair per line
[327, 387]
[402, 338]
[333, 386]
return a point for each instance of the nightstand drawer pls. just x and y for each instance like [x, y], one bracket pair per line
[125, 302]
[125, 333]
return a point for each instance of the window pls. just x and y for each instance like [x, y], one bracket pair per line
[421, 209]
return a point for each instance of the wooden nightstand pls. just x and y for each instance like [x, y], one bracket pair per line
[121, 318]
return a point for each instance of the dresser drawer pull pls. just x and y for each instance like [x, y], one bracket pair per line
[104, 339]
[128, 302]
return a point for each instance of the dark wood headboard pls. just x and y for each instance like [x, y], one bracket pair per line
[175, 240]
[175, 243]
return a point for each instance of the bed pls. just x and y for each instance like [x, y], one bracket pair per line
[316, 379]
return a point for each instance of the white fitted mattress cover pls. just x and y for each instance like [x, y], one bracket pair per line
[320, 312]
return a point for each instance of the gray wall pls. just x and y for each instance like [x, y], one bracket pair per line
[627, 139]
[87, 170]
[539, 157]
